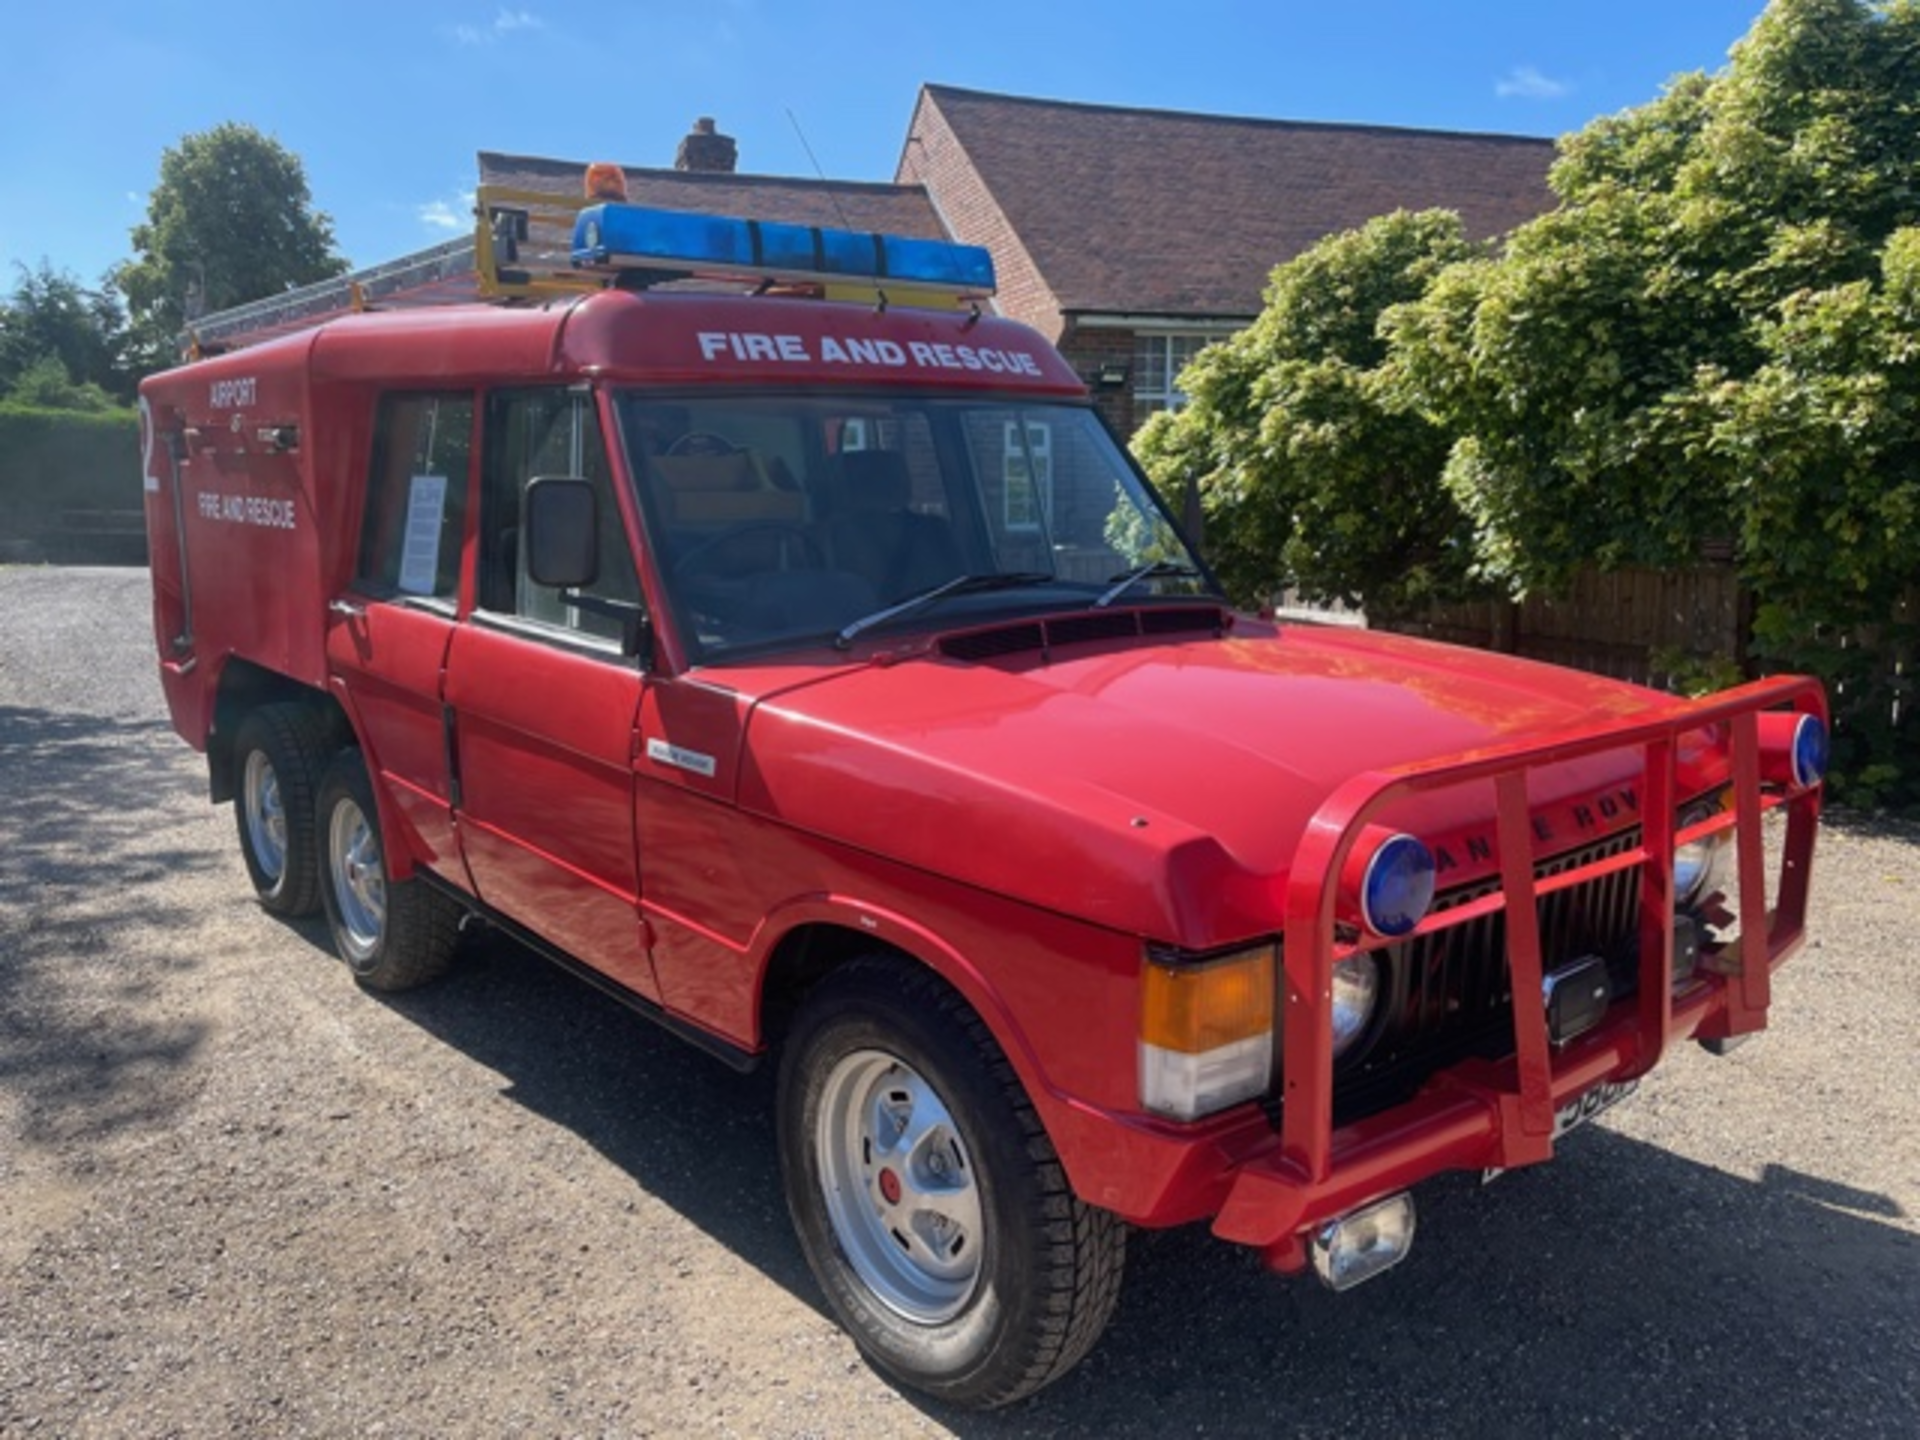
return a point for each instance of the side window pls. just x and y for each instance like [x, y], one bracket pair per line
[417, 496]
[532, 433]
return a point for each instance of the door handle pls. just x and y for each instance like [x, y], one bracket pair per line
[347, 608]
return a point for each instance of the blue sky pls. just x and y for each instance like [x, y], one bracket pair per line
[387, 103]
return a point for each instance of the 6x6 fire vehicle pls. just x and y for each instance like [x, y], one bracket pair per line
[792, 652]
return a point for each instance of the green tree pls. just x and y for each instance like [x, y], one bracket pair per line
[51, 316]
[1713, 336]
[1583, 373]
[1311, 471]
[231, 220]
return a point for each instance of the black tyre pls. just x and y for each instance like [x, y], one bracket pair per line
[928, 1199]
[393, 935]
[279, 755]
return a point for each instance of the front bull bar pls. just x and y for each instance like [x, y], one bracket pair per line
[1499, 1115]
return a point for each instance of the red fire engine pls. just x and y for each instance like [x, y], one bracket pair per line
[741, 618]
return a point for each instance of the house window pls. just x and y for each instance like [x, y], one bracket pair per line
[1157, 363]
[1027, 497]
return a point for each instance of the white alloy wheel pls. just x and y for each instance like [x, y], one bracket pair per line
[899, 1187]
[359, 883]
[266, 816]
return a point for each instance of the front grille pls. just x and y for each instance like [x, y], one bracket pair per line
[1448, 995]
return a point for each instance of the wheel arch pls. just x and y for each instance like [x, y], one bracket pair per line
[245, 686]
[816, 937]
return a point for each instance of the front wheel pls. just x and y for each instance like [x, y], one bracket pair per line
[927, 1197]
[393, 935]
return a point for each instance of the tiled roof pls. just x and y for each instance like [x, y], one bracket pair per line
[1156, 212]
[840, 204]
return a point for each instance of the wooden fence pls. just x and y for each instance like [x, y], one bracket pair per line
[1636, 625]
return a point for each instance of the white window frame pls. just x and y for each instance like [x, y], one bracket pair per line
[1037, 489]
[1148, 400]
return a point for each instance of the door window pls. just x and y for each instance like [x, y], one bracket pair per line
[417, 497]
[536, 433]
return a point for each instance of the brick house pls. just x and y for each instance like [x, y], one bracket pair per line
[1131, 238]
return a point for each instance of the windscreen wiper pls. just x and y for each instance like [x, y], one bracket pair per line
[1152, 570]
[958, 585]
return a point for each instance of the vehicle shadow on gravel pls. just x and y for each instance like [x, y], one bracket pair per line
[1622, 1288]
[689, 1130]
[83, 887]
[1871, 825]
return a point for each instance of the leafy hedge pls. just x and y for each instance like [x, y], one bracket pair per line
[52, 461]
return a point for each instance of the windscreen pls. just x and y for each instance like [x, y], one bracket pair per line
[781, 521]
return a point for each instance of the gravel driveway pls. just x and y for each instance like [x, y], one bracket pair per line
[237, 1195]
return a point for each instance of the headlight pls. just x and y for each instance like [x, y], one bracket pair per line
[1356, 990]
[1695, 862]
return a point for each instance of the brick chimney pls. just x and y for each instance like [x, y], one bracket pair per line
[706, 149]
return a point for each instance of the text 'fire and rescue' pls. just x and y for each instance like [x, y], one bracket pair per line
[792, 349]
[247, 510]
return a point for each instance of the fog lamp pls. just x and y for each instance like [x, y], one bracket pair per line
[1809, 751]
[1363, 1243]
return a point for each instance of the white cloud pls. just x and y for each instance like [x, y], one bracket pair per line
[455, 214]
[505, 22]
[1525, 82]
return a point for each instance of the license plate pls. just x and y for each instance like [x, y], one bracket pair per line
[1576, 1112]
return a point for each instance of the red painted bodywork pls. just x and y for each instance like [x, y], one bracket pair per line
[1024, 826]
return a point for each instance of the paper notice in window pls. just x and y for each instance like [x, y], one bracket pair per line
[420, 549]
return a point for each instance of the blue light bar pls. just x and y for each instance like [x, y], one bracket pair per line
[634, 237]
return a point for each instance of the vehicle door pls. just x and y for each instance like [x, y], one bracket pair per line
[544, 691]
[387, 635]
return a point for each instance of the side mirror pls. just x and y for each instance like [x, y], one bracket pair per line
[560, 522]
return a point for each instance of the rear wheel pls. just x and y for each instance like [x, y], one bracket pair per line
[928, 1199]
[279, 755]
[393, 934]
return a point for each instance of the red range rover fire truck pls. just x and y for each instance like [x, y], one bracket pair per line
[790, 651]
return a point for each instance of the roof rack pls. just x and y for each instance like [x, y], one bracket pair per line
[523, 244]
[531, 245]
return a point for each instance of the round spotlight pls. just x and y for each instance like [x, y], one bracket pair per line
[1397, 890]
[1809, 751]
